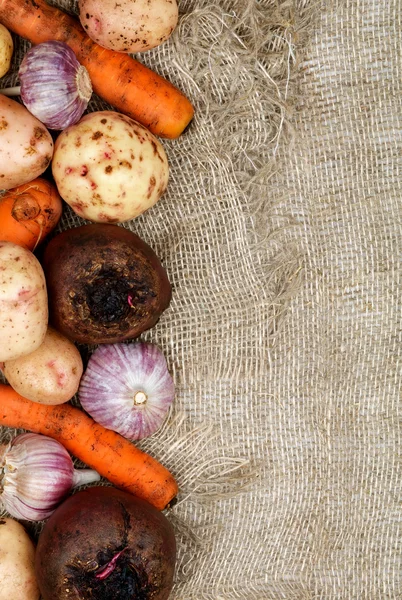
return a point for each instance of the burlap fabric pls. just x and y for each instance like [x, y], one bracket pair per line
[281, 232]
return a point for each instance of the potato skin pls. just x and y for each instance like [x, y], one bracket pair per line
[26, 146]
[129, 26]
[6, 50]
[109, 168]
[23, 302]
[88, 530]
[49, 375]
[105, 284]
[17, 562]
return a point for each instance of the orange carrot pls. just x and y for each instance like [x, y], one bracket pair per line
[113, 456]
[122, 81]
[29, 212]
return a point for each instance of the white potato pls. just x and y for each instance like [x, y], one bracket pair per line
[17, 562]
[109, 168]
[23, 302]
[127, 25]
[6, 50]
[26, 146]
[50, 374]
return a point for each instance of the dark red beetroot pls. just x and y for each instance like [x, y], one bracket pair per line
[105, 284]
[105, 544]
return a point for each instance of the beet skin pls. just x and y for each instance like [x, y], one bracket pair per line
[105, 544]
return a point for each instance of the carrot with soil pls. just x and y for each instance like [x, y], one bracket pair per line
[125, 83]
[29, 212]
[110, 454]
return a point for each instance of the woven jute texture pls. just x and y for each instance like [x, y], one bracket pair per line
[281, 232]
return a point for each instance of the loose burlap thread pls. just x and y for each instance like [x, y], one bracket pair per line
[281, 233]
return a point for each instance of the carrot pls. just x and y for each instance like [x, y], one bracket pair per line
[113, 456]
[29, 212]
[122, 81]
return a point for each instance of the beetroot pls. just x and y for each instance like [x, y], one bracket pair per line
[105, 284]
[105, 544]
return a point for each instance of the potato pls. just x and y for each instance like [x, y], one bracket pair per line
[26, 146]
[6, 50]
[50, 374]
[109, 168]
[17, 563]
[23, 302]
[128, 26]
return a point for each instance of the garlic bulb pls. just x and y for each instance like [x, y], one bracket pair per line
[127, 388]
[36, 474]
[54, 87]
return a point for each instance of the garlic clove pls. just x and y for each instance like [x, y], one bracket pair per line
[127, 388]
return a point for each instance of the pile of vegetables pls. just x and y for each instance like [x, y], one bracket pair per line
[104, 534]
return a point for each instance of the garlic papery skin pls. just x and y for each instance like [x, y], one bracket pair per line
[54, 86]
[37, 473]
[127, 388]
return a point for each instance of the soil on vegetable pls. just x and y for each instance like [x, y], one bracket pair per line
[127, 581]
[111, 297]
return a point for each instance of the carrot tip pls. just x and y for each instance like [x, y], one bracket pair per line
[188, 126]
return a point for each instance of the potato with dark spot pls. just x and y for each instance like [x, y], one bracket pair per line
[105, 284]
[23, 302]
[26, 146]
[109, 168]
[106, 544]
[6, 50]
[128, 26]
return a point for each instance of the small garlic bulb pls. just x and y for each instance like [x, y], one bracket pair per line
[127, 388]
[54, 86]
[36, 474]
